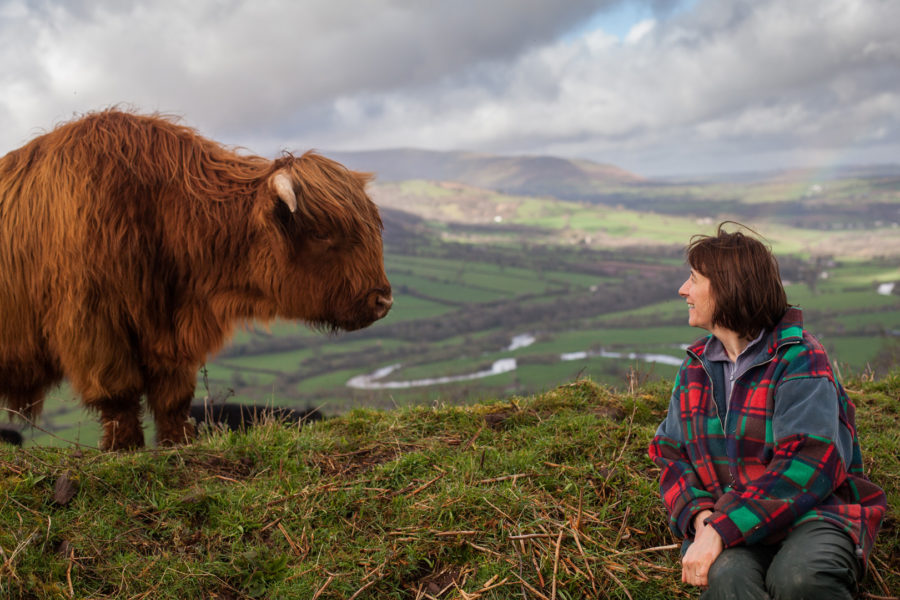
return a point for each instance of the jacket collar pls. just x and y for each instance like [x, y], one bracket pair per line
[789, 330]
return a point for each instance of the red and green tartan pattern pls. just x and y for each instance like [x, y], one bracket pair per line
[759, 487]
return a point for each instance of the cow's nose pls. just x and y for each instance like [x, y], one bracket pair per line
[383, 305]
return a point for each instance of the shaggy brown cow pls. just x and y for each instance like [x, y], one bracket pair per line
[130, 246]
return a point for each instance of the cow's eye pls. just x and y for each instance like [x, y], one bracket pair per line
[321, 238]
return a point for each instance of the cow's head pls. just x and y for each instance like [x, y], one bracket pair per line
[325, 244]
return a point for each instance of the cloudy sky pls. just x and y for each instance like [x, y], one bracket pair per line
[654, 86]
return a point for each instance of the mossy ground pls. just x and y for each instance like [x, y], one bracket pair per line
[550, 496]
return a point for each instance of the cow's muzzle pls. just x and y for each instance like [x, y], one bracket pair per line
[381, 304]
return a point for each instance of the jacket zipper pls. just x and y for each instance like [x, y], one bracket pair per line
[712, 385]
[712, 388]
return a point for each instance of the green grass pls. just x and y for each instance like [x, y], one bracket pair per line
[648, 339]
[446, 290]
[509, 280]
[866, 274]
[410, 308]
[843, 301]
[544, 496]
[848, 350]
[652, 228]
[668, 309]
[603, 370]
[878, 320]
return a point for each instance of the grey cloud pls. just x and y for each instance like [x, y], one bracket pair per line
[726, 82]
[245, 60]
[804, 79]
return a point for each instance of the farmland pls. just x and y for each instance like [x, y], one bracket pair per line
[565, 288]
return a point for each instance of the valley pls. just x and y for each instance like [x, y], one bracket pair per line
[589, 280]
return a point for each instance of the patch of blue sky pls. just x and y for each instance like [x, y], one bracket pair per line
[619, 18]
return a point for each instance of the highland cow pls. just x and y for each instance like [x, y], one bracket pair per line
[130, 246]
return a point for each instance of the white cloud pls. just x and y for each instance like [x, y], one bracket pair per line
[640, 30]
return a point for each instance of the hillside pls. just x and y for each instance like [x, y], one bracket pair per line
[817, 199]
[548, 496]
[530, 175]
[591, 288]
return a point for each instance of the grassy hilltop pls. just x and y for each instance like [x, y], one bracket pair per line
[547, 496]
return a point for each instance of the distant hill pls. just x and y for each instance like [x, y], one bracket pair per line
[530, 175]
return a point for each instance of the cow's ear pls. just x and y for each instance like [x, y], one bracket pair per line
[283, 185]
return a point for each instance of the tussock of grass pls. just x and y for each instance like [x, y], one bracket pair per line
[544, 497]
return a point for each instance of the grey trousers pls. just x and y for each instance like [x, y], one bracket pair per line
[817, 561]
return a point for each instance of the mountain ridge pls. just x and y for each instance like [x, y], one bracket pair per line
[534, 175]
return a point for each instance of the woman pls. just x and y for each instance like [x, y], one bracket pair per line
[761, 471]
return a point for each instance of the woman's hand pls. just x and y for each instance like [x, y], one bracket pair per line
[702, 553]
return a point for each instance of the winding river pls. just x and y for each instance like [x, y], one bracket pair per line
[373, 381]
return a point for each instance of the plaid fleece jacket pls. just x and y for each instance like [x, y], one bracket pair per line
[784, 451]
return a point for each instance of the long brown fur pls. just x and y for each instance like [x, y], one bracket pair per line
[130, 246]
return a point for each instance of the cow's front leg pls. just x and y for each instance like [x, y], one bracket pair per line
[120, 419]
[169, 397]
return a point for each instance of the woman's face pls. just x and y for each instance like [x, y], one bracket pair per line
[701, 305]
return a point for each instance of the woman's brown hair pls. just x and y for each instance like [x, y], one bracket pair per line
[744, 279]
